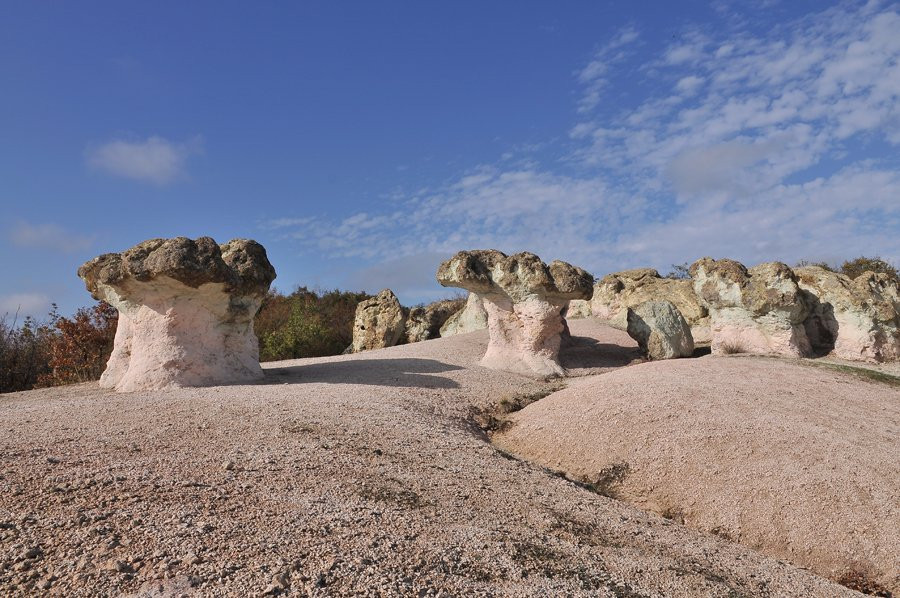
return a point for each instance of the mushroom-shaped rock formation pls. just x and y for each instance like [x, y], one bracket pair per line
[424, 323]
[856, 319]
[760, 310]
[379, 323]
[616, 292]
[524, 299]
[660, 330]
[186, 311]
[470, 318]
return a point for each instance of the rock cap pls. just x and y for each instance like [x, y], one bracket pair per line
[241, 265]
[518, 276]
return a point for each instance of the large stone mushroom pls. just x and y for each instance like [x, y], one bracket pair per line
[524, 299]
[186, 311]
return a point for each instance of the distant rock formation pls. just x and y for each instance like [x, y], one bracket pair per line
[760, 310]
[470, 318]
[660, 330]
[856, 319]
[616, 292]
[186, 311]
[424, 323]
[578, 309]
[380, 322]
[524, 299]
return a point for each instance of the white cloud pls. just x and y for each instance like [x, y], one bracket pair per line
[23, 304]
[48, 236]
[592, 75]
[277, 223]
[154, 160]
[757, 146]
[688, 85]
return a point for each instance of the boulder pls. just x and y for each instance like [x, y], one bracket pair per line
[616, 292]
[524, 299]
[857, 319]
[660, 330]
[470, 318]
[578, 309]
[424, 323]
[186, 311]
[380, 322]
[760, 310]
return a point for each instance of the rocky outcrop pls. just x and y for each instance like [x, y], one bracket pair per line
[856, 319]
[470, 318]
[380, 322]
[424, 323]
[660, 330]
[760, 310]
[524, 299]
[616, 292]
[186, 311]
[578, 309]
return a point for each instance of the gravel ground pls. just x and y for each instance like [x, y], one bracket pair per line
[802, 463]
[367, 474]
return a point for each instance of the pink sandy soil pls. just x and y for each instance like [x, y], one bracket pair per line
[359, 475]
[799, 462]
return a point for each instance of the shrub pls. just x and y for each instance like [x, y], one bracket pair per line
[680, 271]
[24, 353]
[306, 323]
[860, 265]
[81, 346]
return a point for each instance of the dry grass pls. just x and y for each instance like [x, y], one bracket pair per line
[732, 348]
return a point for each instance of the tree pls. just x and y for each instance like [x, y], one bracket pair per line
[81, 346]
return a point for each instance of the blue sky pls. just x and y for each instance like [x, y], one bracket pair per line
[363, 142]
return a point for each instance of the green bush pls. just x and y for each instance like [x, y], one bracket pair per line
[306, 323]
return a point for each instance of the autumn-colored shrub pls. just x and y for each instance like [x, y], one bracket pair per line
[81, 346]
[860, 265]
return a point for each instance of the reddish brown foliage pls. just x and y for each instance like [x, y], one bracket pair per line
[81, 346]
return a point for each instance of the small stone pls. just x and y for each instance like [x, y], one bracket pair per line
[228, 466]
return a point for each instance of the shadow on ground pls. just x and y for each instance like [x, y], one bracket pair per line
[586, 352]
[406, 372]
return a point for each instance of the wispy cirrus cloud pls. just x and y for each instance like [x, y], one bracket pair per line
[48, 236]
[758, 146]
[153, 160]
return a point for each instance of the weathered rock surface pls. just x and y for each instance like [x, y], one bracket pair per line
[760, 310]
[616, 292]
[380, 322]
[660, 330]
[186, 311]
[470, 318]
[524, 299]
[578, 309]
[424, 323]
[856, 319]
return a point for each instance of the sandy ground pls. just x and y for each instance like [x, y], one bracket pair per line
[800, 462]
[352, 475]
